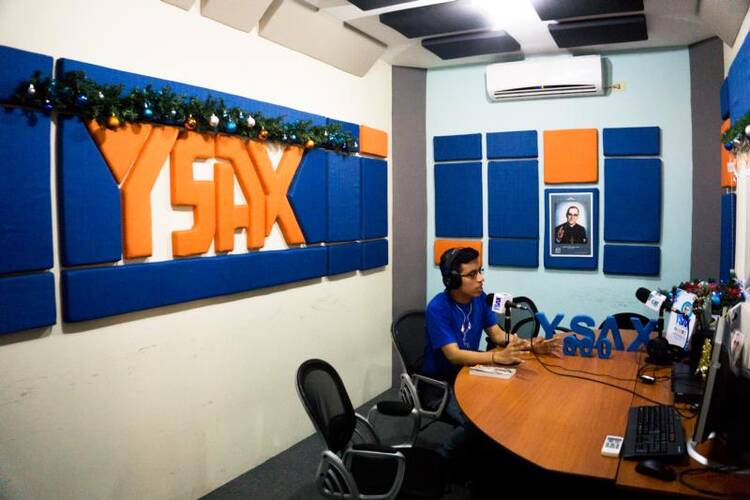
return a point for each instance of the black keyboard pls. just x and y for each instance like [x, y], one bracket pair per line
[653, 432]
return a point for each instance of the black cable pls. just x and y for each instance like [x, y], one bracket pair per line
[706, 470]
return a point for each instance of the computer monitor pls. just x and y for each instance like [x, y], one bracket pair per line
[725, 411]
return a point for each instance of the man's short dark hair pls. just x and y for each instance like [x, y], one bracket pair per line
[462, 256]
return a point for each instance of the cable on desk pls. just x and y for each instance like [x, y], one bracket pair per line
[706, 470]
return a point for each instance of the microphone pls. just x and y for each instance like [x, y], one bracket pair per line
[499, 302]
[653, 300]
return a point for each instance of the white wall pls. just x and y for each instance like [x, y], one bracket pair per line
[657, 92]
[175, 401]
[731, 52]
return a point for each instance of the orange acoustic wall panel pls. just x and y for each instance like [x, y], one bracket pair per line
[373, 141]
[186, 191]
[442, 245]
[728, 179]
[571, 156]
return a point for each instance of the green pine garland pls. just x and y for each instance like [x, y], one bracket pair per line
[736, 130]
[76, 94]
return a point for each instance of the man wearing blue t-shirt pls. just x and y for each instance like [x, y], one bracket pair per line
[455, 319]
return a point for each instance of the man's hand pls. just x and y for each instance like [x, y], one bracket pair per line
[509, 355]
[551, 346]
[560, 234]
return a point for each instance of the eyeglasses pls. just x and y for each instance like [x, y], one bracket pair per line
[473, 274]
[571, 215]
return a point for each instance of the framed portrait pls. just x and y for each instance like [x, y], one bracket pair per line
[571, 228]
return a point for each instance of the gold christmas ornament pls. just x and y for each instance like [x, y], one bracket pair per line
[191, 123]
[113, 122]
[309, 144]
[705, 361]
[263, 134]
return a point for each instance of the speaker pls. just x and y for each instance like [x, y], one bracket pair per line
[451, 277]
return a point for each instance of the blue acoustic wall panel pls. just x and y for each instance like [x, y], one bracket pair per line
[344, 198]
[344, 258]
[88, 198]
[520, 144]
[374, 198]
[19, 66]
[739, 83]
[728, 236]
[458, 200]
[25, 201]
[352, 128]
[514, 253]
[308, 195]
[513, 192]
[106, 291]
[632, 141]
[457, 147]
[27, 301]
[635, 260]
[632, 200]
[374, 254]
[724, 99]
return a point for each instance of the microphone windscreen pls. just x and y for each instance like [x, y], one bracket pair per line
[490, 299]
[642, 294]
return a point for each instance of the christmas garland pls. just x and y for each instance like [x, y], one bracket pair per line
[737, 133]
[721, 294]
[75, 93]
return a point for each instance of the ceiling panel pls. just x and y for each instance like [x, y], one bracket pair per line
[461, 15]
[376, 4]
[563, 9]
[599, 31]
[471, 44]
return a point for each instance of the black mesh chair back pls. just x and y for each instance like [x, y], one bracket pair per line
[324, 396]
[523, 321]
[408, 332]
[623, 320]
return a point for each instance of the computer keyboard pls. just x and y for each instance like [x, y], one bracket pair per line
[653, 432]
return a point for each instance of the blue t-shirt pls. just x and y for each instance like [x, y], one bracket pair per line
[445, 320]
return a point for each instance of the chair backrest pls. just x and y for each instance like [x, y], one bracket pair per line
[408, 332]
[623, 320]
[523, 321]
[327, 403]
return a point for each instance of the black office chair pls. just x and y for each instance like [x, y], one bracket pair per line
[623, 320]
[355, 465]
[418, 393]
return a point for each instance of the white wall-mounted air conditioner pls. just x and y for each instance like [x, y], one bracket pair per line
[539, 78]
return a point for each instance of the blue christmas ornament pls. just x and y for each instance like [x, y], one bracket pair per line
[715, 298]
[81, 100]
[47, 105]
[148, 113]
[728, 146]
[231, 126]
[294, 137]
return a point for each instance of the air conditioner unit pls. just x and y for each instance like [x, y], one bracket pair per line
[539, 78]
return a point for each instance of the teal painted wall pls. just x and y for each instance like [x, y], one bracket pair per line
[657, 92]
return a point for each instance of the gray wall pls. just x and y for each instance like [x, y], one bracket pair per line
[409, 214]
[706, 75]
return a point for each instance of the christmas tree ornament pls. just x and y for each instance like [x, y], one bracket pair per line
[250, 121]
[309, 144]
[728, 146]
[213, 121]
[263, 134]
[31, 90]
[191, 123]
[231, 127]
[325, 133]
[113, 122]
[747, 131]
[47, 105]
[356, 145]
[100, 95]
[81, 100]
[284, 138]
[148, 113]
[294, 137]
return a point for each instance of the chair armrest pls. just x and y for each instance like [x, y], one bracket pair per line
[331, 471]
[379, 453]
[364, 430]
[435, 383]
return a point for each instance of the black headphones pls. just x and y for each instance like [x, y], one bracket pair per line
[451, 277]
[661, 352]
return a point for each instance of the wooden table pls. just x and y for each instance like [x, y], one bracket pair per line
[559, 423]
